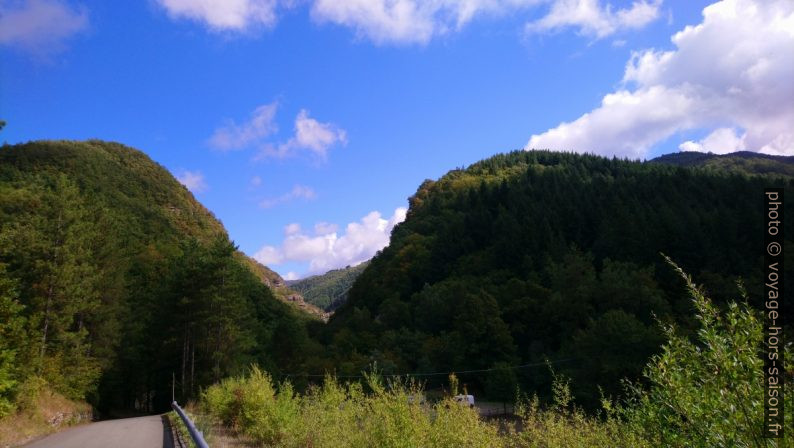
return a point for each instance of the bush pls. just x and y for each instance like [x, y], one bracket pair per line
[707, 392]
[704, 393]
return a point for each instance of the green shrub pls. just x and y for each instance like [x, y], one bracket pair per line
[708, 392]
[565, 425]
[704, 393]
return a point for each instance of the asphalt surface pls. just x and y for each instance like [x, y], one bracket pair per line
[138, 432]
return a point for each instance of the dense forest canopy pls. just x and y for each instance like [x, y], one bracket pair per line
[538, 255]
[743, 162]
[113, 278]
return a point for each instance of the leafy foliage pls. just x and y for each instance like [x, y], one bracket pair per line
[534, 254]
[710, 391]
[702, 393]
[114, 278]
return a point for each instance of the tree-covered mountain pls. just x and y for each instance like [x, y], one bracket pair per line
[328, 291]
[741, 162]
[281, 289]
[538, 255]
[113, 278]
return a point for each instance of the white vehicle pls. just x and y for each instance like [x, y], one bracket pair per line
[465, 399]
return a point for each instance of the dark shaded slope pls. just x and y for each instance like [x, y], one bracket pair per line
[533, 255]
[120, 278]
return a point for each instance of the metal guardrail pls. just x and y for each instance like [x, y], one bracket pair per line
[195, 434]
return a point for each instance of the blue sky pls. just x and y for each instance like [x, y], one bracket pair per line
[282, 115]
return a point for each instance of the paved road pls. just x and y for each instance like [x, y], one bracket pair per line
[138, 432]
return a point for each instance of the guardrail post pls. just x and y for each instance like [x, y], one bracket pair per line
[195, 434]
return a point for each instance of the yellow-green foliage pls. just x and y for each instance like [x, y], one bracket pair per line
[180, 429]
[701, 394]
[342, 415]
[565, 425]
[392, 416]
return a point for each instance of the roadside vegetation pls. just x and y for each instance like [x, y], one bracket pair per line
[701, 392]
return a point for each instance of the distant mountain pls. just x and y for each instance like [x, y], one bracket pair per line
[328, 291]
[282, 289]
[742, 162]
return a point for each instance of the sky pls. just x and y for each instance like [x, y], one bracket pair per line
[305, 125]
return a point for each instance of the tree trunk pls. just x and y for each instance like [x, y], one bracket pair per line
[47, 308]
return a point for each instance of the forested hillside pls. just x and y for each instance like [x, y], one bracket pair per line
[328, 291]
[538, 255]
[113, 278]
[740, 162]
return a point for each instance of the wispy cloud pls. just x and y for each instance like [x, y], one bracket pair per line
[416, 21]
[298, 192]
[40, 27]
[225, 15]
[193, 180]
[731, 71]
[309, 135]
[232, 136]
[594, 19]
[327, 249]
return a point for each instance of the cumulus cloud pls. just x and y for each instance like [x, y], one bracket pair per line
[297, 192]
[193, 180]
[594, 19]
[226, 15]
[232, 136]
[315, 136]
[322, 228]
[733, 70]
[327, 249]
[721, 141]
[40, 26]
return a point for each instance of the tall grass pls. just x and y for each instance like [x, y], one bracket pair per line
[700, 393]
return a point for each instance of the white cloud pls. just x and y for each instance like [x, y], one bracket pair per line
[269, 256]
[193, 180]
[594, 19]
[224, 15]
[721, 141]
[415, 21]
[40, 26]
[233, 136]
[256, 181]
[733, 70]
[322, 228]
[326, 251]
[408, 21]
[309, 135]
[291, 275]
[292, 229]
[297, 192]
